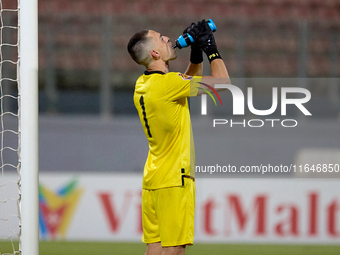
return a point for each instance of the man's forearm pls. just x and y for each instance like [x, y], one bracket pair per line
[195, 69]
[219, 75]
[218, 69]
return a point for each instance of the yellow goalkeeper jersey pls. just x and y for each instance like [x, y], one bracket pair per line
[162, 105]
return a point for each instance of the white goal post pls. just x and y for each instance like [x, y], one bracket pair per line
[28, 79]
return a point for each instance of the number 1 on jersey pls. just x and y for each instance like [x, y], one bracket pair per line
[141, 101]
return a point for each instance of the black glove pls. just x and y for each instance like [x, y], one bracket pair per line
[210, 48]
[199, 31]
[196, 55]
[203, 39]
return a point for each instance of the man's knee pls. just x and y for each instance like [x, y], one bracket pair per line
[153, 249]
[174, 250]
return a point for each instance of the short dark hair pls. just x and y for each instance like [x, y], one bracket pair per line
[135, 46]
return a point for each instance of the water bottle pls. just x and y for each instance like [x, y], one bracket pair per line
[185, 40]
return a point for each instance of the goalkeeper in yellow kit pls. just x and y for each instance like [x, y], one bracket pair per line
[168, 196]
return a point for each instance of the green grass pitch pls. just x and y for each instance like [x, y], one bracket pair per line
[108, 248]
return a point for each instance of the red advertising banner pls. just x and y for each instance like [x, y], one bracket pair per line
[108, 207]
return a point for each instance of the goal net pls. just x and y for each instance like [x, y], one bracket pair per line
[18, 127]
[9, 129]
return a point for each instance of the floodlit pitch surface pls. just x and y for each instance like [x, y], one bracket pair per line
[80, 248]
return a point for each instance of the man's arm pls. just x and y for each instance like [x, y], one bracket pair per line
[218, 69]
[219, 73]
[204, 40]
[194, 69]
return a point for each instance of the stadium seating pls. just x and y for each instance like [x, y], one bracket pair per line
[270, 31]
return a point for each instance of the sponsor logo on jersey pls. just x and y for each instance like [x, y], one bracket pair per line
[184, 76]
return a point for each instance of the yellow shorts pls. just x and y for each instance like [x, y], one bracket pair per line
[168, 214]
